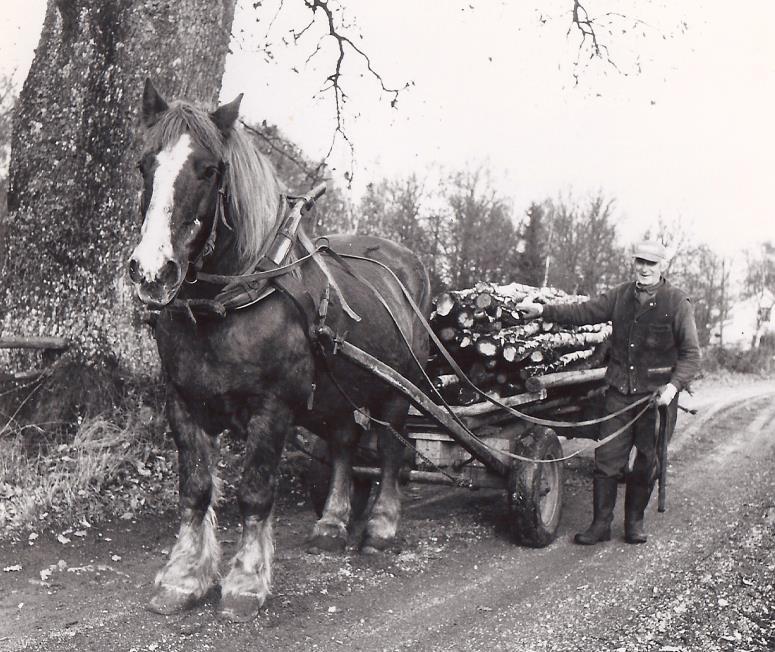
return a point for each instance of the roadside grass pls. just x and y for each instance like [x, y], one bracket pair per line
[63, 477]
[110, 464]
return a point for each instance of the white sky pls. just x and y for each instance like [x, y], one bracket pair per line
[692, 137]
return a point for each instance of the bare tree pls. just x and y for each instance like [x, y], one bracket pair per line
[398, 210]
[341, 33]
[704, 276]
[483, 241]
[595, 30]
[760, 270]
[584, 255]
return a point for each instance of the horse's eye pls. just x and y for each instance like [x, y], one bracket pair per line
[140, 167]
[210, 171]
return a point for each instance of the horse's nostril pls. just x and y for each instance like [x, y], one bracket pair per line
[169, 273]
[134, 270]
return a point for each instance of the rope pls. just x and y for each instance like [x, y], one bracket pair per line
[590, 447]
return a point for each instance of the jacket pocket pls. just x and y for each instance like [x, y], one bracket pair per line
[659, 336]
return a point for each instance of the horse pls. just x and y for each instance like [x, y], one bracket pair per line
[211, 201]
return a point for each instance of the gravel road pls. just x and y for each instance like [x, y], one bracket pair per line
[704, 581]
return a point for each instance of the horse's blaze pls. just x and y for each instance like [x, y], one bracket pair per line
[154, 255]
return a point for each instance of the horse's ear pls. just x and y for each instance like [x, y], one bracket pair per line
[226, 115]
[153, 104]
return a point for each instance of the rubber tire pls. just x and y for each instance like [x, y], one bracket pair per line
[319, 479]
[535, 490]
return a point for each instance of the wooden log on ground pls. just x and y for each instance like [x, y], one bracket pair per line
[44, 343]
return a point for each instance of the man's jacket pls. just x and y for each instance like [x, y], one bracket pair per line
[658, 333]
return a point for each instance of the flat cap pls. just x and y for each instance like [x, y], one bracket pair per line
[650, 250]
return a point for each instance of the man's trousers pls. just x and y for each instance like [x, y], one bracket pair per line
[611, 459]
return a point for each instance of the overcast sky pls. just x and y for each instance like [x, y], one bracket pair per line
[684, 128]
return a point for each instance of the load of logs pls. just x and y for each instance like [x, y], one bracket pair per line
[486, 335]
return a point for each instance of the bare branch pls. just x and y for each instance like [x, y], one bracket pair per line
[313, 174]
[343, 44]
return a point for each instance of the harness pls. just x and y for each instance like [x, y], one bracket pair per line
[273, 273]
[273, 269]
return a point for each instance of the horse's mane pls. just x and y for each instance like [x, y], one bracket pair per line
[253, 187]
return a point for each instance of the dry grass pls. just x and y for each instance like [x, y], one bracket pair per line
[110, 466]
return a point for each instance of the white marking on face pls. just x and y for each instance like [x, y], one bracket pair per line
[155, 247]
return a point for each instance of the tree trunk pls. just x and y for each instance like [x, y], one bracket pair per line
[73, 193]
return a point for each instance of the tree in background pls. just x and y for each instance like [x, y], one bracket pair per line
[300, 174]
[675, 235]
[400, 210]
[760, 270]
[584, 256]
[73, 191]
[704, 276]
[482, 239]
[533, 246]
[394, 210]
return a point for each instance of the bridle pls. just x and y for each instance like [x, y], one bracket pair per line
[219, 216]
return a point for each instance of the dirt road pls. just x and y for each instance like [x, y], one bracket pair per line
[704, 581]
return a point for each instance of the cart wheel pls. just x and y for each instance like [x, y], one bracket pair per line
[535, 490]
[319, 478]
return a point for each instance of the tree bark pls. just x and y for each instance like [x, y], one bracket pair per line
[73, 191]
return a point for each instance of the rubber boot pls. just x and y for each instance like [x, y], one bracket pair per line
[603, 502]
[636, 499]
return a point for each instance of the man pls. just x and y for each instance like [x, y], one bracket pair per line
[652, 326]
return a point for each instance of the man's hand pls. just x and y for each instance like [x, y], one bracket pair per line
[530, 310]
[666, 394]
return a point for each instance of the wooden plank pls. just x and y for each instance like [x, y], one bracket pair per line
[45, 343]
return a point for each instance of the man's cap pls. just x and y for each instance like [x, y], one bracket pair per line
[650, 250]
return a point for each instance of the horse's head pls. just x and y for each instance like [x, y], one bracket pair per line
[183, 166]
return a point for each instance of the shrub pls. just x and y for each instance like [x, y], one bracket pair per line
[759, 360]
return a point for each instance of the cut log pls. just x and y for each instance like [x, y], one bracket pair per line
[445, 302]
[45, 343]
[485, 333]
[486, 347]
[567, 378]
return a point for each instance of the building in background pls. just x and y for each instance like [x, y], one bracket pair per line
[750, 320]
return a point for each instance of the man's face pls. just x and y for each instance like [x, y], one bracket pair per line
[647, 272]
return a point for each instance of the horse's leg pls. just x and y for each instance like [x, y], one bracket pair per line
[330, 532]
[193, 564]
[383, 520]
[248, 582]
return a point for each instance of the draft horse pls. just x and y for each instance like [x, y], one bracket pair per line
[210, 204]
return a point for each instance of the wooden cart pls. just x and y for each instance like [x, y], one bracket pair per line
[471, 447]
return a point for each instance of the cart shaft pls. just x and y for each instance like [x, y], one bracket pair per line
[494, 461]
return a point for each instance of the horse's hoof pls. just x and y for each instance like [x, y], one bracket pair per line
[167, 601]
[320, 543]
[375, 545]
[239, 608]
